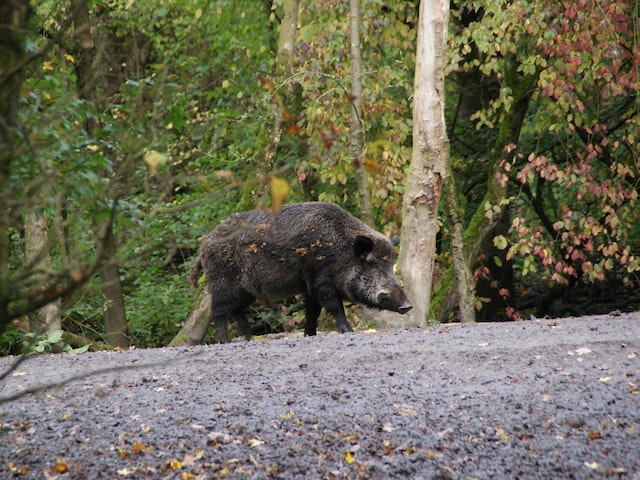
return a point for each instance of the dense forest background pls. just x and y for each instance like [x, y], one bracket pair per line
[139, 125]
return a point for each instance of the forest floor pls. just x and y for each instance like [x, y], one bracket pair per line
[534, 399]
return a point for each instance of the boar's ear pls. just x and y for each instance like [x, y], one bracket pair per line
[363, 246]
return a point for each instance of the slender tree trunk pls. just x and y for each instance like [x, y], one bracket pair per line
[36, 238]
[462, 271]
[491, 209]
[115, 326]
[90, 67]
[13, 26]
[428, 161]
[357, 136]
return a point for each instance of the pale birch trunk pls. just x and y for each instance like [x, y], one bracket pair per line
[428, 161]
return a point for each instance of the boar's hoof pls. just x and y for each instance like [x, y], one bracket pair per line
[221, 339]
[345, 328]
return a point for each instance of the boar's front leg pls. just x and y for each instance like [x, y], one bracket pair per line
[332, 303]
[243, 324]
[312, 312]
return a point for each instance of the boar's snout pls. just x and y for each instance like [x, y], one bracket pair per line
[393, 300]
[404, 308]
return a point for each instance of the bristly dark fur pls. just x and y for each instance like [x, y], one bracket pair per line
[314, 249]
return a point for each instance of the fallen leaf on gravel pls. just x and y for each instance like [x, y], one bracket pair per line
[124, 472]
[254, 442]
[123, 453]
[18, 470]
[175, 464]
[187, 476]
[502, 434]
[615, 471]
[140, 448]
[595, 435]
[348, 456]
[219, 438]
[431, 454]
[592, 465]
[61, 466]
[405, 410]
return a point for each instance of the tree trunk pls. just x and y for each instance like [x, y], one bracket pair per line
[115, 325]
[491, 209]
[13, 27]
[90, 67]
[45, 320]
[428, 161]
[462, 270]
[357, 136]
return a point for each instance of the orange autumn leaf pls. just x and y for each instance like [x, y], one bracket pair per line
[370, 164]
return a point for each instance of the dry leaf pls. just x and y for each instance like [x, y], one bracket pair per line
[61, 466]
[279, 190]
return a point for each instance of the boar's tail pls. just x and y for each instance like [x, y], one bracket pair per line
[195, 271]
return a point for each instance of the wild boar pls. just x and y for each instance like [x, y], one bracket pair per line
[314, 249]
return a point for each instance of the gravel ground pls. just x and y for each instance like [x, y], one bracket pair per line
[536, 399]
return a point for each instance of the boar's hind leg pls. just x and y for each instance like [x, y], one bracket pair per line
[312, 312]
[244, 328]
[224, 304]
[332, 303]
[219, 320]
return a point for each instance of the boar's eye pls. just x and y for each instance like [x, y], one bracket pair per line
[362, 246]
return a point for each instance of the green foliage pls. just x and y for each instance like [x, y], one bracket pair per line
[49, 343]
[157, 305]
[10, 341]
[571, 176]
[185, 96]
